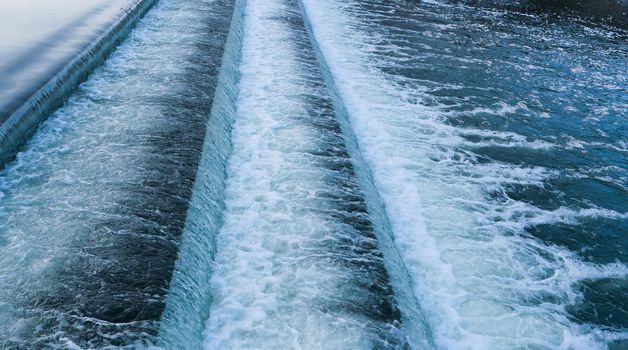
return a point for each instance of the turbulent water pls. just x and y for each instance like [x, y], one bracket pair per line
[501, 163]
[92, 210]
[327, 174]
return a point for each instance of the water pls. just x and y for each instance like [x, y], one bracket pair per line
[47, 52]
[502, 165]
[370, 174]
[91, 212]
[38, 38]
[297, 263]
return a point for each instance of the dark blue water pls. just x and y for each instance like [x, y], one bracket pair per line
[369, 174]
[496, 132]
[542, 75]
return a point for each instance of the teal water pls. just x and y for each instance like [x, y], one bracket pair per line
[497, 134]
[368, 174]
[91, 211]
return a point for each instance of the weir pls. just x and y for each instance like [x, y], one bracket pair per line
[183, 321]
[321, 174]
[91, 212]
[417, 327]
[289, 151]
[17, 127]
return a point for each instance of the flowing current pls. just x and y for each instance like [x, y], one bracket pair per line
[327, 174]
[92, 210]
[508, 215]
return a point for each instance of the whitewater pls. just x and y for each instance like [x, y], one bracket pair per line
[326, 174]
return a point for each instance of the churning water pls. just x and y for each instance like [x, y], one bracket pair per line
[327, 174]
[497, 140]
[91, 211]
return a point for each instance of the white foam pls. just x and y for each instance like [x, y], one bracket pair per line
[482, 282]
[80, 164]
[273, 285]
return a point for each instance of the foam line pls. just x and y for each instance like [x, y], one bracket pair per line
[415, 323]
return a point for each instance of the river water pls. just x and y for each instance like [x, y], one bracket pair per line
[303, 174]
[38, 38]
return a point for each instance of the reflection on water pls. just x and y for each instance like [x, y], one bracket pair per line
[39, 37]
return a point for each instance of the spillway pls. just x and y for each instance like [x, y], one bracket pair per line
[91, 212]
[479, 191]
[297, 261]
[327, 174]
[39, 40]
[47, 50]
